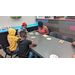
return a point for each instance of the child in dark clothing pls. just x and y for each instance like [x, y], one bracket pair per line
[24, 46]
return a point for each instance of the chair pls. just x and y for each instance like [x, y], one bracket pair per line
[1, 56]
[67, 38]
[49, 30]
[53, 34]
[7, 51]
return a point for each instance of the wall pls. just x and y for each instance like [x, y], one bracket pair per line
[7, 20]
[60, 27]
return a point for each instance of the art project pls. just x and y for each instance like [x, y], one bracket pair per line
[53, 56]
[46, 36]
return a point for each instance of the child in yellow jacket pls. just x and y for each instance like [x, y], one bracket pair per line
[12, 40]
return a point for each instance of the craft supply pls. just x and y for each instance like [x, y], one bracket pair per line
[36, 33]
[53, 56]
[31, 33]
[48, 38]
[33, 37]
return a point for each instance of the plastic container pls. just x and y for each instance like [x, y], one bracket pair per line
[0, 28]
[6, 27]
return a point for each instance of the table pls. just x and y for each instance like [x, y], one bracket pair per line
[45, 47]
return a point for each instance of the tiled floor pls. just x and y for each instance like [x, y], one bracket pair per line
[3, 54]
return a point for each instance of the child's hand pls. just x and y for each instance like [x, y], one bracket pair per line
[73, 56]
[34, 31]
[73, 43]
[30, 40]
[27, 31]
[40, 32]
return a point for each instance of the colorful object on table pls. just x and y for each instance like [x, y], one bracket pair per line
[61, 41]
[36, 33]
[1, 28]
[6, 28]
[72, 28]
[9, 27]
[46, 36]
[31, 33]
[33, 37]
[38, 41]
[73, 49]
[53, 56]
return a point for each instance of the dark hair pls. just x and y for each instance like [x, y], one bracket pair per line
[22, 34]
[40, 24]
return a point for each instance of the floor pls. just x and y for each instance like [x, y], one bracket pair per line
[3, 54]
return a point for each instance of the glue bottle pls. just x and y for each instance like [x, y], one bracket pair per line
[0, 28]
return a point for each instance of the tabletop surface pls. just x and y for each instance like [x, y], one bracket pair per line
[47, 47]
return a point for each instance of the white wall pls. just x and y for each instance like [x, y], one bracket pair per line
[7, 20]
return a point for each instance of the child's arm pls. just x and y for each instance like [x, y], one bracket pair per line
[33, 43]
[73, 43]
[36, 30]
[16, 38]
[47, 31]
[18, 31]
[27, 31]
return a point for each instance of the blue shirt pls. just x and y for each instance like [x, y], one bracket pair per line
[19, 30]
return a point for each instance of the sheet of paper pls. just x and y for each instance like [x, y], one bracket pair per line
[46, 36]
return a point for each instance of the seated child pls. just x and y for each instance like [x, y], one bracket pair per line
[12, 40]
[42, 29]
[24, 46]
[24, 28]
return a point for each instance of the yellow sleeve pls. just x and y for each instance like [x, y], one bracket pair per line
[16, 38]
[19, 37]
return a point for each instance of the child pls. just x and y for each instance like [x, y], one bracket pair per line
[12, 40]
[73, 43]
[73, 56]
[42, 29]
[24, 26]
[24, 46]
